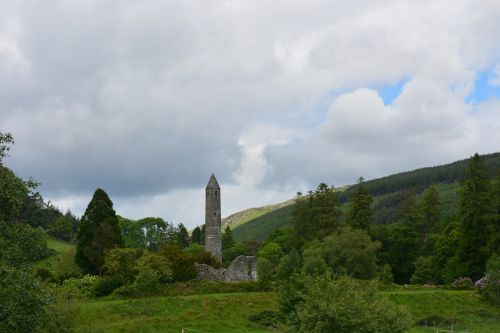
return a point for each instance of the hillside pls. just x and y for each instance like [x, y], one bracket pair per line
[63, 262]
[250, 214]
[231, 312]
[388, 193]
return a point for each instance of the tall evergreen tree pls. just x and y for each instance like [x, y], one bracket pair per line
[227, 239]
[196, 235]
[430, 213]
[182, 236]
[317, 215]
[360, 211]
[98, 231]
[475, 211]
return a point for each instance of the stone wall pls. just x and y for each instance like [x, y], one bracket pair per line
[243, 268]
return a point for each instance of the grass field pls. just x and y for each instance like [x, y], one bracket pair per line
[63, 262]
[205, 313]
[230, 312]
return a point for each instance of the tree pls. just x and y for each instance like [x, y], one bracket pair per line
[6, 139]
[359, 214]
[351, 252]
[61, 228]
[182, 264]
[316, 215]
[98, 231]
[425, 271]
[475, 211]
[182, 236]
[431, 213]
[288, 265]
[196, 235]
[227, 238]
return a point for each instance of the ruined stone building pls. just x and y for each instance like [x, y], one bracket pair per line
[242, 268]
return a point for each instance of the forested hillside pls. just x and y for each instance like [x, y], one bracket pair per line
[389, 194]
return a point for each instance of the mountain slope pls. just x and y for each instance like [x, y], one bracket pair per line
[388, 193]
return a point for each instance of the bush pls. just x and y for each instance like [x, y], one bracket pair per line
[489, 285]
[106, 285]
[83, 287]
[270, 319]
[44, 274]
[463, 283]
[326, 304]
[424, 271]
[182, 264]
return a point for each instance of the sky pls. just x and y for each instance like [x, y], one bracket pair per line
[146, 99]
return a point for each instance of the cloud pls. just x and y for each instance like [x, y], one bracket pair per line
[147, 99]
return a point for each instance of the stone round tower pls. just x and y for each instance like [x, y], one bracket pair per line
[213, 242]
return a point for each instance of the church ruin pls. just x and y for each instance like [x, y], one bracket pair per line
[243, 268]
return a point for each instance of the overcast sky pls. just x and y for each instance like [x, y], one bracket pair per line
[146, 99]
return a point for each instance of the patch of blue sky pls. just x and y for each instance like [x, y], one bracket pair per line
[389, 92]
[483, 89]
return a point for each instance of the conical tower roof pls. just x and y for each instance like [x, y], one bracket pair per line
[212, 183]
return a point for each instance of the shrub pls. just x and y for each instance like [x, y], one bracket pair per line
[424, 271]
[489, 285]
[326, 304]
[82, 287]
[106, 285]
[270, 319]
[44, 274]
[463, 283]
[182, 264]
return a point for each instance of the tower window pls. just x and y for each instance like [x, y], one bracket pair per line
[216, 193]
[215, 213]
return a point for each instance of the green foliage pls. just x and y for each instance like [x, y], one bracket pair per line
[288, 265]
[386, 276]
[196, 236]
[425, 271]
[61, 228]
[21, 244]
[182, 264]
[13, 191]
[359, 214]
[26, 305]
[98, 231]
[430, 213]
[272, 252]
[182, 236]
[122, 263]
[105, 285]
[238, 249]
[475, 211]
[157, 264]
[349, 252]
[490, 283]
[227, 239]
[81, 287]
[343, 305]
[6, 139]
[317, 215]
[265, 271]
[270, 319]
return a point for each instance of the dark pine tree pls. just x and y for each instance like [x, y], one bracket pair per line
[182, 236]
[227, 239]
[430, 213]
[196, 236]
[475, 212]
[98, 231]
[360, 211]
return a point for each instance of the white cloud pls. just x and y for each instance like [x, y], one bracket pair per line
[146, 99]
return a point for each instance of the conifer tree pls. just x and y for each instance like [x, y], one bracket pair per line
[430, 213]
[182, 236]
[475, 211]
[227, 239]
[360, 211]
[196, 236]
[98, 231]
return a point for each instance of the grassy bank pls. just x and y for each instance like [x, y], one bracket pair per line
[205, 313]
[231, 312]
[63, 262]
